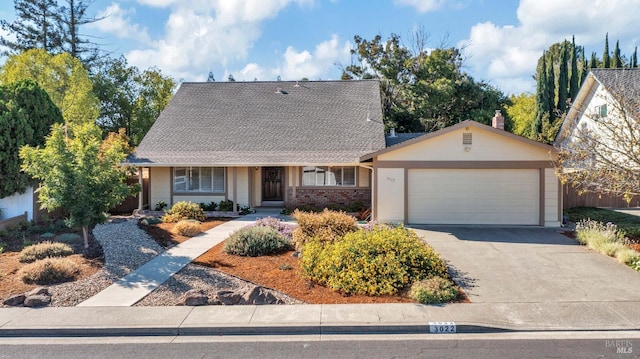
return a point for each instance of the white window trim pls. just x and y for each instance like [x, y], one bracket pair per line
[186, 180]
[355, 177]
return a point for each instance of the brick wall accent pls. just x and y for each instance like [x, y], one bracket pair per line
[321, 197]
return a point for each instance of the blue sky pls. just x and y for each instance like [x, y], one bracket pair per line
[264, 39]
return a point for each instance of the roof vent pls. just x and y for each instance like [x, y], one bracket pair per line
[280, 91]
[467, 138]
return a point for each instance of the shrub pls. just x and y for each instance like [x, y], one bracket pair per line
[211, 206]
[380, 261]
[225, 206]
[286, 230]
[44, 250]
[604, 238]
[184, 210]
[49, 271]
[356, 206]
[68, 237]
[433, 290]
[635, 263]
[187, 227]
[149, 221]
[326, 226]
[255, 241]
[47, 235]
[2, 245]
[160, 205]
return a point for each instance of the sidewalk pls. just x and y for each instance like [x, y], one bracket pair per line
[307, 319]
[137, 284]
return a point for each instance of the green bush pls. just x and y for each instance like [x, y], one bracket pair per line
[326, 226]
[211, 206]
[160, 205]
[187, 227]
[225, 206]
[256, 241]
[47, 235]
[149, 221]
[49, 271]
[433, 290]
[2, 245]
[68, 237]
[380, 261]
[184, 210]
[635, 263]
[44, 250]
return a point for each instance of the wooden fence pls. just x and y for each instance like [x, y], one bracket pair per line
[571, 198]
[131, 203]
[13, 220]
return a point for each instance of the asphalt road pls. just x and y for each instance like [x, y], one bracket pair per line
[615, 347]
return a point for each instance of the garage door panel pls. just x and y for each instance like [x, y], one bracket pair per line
[473, 196]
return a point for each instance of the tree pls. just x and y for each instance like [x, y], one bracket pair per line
[62, 76]
[130, 98]
[593, 63]
[563, 79]
[602, 154]
[542, 95]
[26, 116]
[36, 27]
[80, 173]
[211, 78]
[606, 61]
[617, 58]
[72, 15]
[231, 78]
[634, 58]
[574, 75]
[522, 112]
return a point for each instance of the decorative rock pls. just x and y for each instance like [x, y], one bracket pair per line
[259, 296]
[37, 301]
[15, 300]
[229, 297]
[37, 291]
[195, 297]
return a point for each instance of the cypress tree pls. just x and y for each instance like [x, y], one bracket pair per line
[551, 88]
[542, 94]
[634, 58]
[593, 63]
[617, 59]
[574, 78]
[606, 61]
[563, 79]
[585, 68]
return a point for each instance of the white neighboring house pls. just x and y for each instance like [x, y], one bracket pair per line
[607, 106]
[18, 204]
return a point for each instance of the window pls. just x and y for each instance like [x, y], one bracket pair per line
[341, 176]
[600, 111]
[199, 179]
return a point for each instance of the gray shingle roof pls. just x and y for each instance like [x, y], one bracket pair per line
[621, 81]
[266, 123]
[401, 137]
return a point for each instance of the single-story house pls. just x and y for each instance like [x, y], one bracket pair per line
[323, 142]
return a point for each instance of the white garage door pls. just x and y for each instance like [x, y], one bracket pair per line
[483, 196]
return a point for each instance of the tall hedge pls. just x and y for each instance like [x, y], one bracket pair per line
[26, 116]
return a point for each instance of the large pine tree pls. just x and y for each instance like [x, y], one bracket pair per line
[73, 15]
[617, 58]
[36, 27]
[542, 95]
[606, 61]
[574, 75]
[551, 88]
[563, 79]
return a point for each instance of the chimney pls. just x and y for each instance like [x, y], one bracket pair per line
[392, 132]
[498, 121]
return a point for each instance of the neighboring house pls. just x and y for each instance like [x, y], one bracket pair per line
[597, 104]
[20, 203]
[322, 142]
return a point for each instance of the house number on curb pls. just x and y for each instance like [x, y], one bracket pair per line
[442, 327]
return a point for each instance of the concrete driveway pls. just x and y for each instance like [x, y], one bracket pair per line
[530, 265]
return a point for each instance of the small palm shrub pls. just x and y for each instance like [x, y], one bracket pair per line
[187, 228]
[433, 290]
[184, 210]
[326, 226]
[44, 250]
[380, 261]
[255, 241]
[49, 271]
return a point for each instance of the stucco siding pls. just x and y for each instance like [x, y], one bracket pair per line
[485, 146]
[243, 186]
[160, 185]
[363, 177]
[390, 195]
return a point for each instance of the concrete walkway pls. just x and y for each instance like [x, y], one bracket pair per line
[137, 284]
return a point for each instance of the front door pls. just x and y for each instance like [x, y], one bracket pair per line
[272, 183]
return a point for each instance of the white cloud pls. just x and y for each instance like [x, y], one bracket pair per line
[424, 6]
[508, 54]
[296, 65]
[200, 33]
[117, 21]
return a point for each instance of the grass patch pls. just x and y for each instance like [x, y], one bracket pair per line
[628, 224]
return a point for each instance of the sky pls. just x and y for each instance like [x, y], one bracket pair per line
[292, 39]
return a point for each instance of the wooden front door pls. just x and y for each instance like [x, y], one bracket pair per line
[272, 183]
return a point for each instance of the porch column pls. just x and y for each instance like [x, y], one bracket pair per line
[141, 193]
[235, 189]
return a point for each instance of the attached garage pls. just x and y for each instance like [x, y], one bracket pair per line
[469, 173]
[468, 196]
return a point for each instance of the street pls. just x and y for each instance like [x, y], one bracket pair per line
[507, 345]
